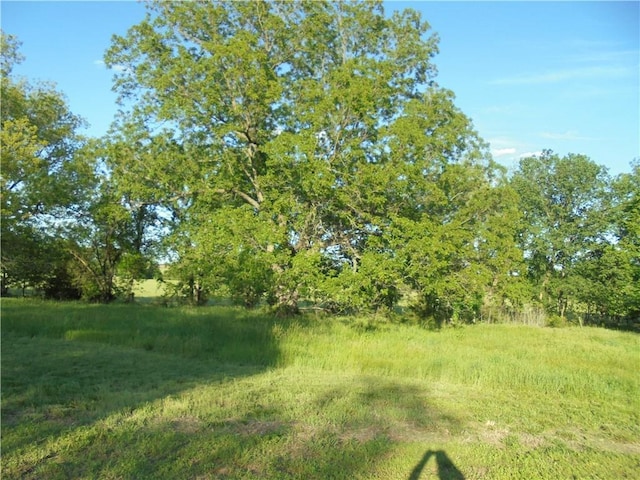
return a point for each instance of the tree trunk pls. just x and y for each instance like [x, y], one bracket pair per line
[286, 301]
[545, 282]
[562, 305]
[4, 286]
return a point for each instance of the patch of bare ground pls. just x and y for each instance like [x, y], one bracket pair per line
[531, 441]
[397, 431]
[578, 440]
[491, 433]
[413, 433]
[256, 427]
[499, 436]
[186, 424]
[362, 435]
[217, 473]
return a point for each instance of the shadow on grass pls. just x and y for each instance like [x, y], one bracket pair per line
[66, 367]
[51, 386]
[108, 392]
[446, 468]
[364, 419]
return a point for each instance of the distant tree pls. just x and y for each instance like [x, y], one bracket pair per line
[626, 190]
[611, 270]
[107, 233]
[564, 204]
[459, 253]
[25, 260]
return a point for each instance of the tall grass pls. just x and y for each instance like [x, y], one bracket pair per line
[126, 391]
[221, 334]
[593, 363]
[564, 361]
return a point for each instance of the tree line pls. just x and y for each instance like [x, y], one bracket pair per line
[290, 152]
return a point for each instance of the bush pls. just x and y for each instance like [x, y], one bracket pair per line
[61, 286]
[556, 321]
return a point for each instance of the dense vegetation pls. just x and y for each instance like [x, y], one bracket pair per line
[133, 391]
[283, 152]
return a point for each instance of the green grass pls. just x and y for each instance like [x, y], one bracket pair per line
[150, 290]
[131, 391]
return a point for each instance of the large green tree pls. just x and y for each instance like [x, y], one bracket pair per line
[301, 133]
[626, 190]
[109, 231]
[564, 202]
[38, 177]
[610, 272]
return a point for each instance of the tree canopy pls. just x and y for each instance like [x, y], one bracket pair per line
[283, 152]
[310, 130]
[38, 176]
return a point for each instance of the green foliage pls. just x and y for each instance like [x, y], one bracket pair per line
[301, 153]
[374, 287]
[459, 252]
[108, 232]
[38, 137]
[39, 178]
[607, 283]
[556, 321]
[30, 258]
[293, 138]
[53, 180]
[564, 201]
[626, 227]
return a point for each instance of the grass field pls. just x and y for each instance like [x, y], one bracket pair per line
[135, 392]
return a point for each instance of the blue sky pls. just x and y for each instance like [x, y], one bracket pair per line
[531, 75]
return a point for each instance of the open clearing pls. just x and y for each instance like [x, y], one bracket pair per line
[119, 391]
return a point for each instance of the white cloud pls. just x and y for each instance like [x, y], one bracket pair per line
[510, 109]
[503, 141]
[563, 75]
[605, 56]
[117, 67]
[568, 135]
[530, 154]
[499, 152]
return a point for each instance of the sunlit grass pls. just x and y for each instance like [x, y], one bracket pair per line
[119, 391]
